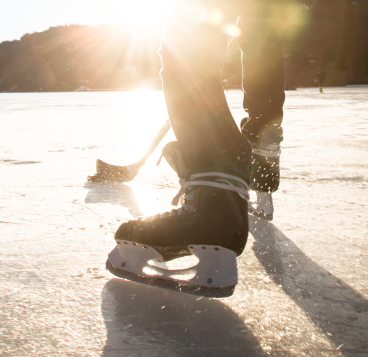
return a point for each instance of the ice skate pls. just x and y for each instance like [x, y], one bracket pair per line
[265, 167]
[262, 206]
[265, 178]
[211, 224]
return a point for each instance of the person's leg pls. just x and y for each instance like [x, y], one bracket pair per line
[263, 68]
[210, 156]
[196, 103]
[263, 87]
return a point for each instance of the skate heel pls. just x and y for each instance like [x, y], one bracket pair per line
[216, 267]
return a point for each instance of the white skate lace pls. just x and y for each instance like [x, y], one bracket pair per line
[220, 180]
[266, 150]
[223, 181]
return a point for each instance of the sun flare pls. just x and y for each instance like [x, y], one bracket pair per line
[143, 15]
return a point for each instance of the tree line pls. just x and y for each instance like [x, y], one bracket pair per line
[64, 58]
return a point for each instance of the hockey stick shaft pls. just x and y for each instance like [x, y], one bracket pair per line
[107, 171]
[154, 143]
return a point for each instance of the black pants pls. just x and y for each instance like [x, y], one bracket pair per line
[194, 41]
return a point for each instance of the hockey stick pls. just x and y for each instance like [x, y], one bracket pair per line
[108, 172]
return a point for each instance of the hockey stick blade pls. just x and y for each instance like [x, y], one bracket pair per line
[171, 285]
[108, 172]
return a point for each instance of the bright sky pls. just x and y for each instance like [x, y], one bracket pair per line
[28, 16]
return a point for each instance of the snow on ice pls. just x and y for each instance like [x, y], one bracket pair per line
[302, 279]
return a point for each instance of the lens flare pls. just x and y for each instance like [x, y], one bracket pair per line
[231, 30]
[215, 17]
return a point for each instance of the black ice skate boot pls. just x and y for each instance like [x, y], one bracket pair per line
[265, 177]
[212, 224]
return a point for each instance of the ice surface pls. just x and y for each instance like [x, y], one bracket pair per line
[302, 279]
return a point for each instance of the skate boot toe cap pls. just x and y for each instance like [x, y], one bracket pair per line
[124, 231]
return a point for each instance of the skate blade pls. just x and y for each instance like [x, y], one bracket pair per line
[170, 284]
[215, 267]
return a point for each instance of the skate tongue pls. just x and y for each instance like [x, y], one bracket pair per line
[172, 152]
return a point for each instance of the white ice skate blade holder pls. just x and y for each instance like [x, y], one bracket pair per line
[262, 206]
[216, 267]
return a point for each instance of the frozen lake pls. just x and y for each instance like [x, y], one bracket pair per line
[303, 285]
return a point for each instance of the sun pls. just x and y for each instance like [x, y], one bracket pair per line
[143, 15]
